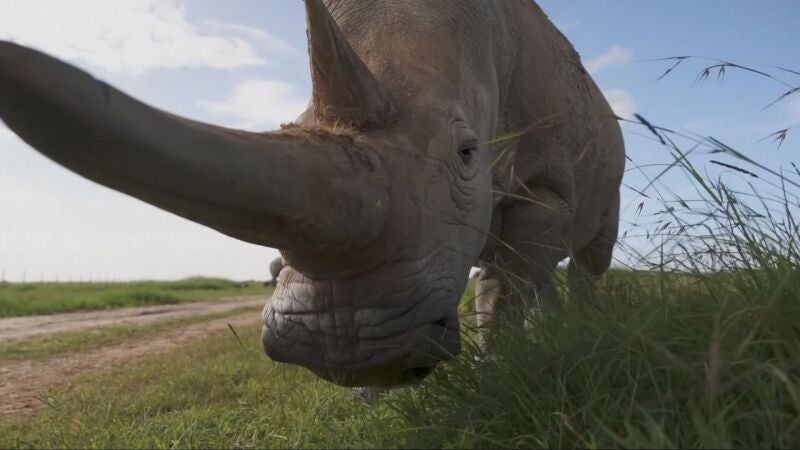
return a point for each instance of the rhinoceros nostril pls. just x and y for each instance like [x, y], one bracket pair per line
[441, 322]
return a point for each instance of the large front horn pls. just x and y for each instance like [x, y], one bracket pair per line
[345, 91]
[293, 189]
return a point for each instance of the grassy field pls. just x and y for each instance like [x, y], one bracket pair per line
[21, 299]
[703, 367]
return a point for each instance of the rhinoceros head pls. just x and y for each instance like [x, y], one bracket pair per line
[379, 196]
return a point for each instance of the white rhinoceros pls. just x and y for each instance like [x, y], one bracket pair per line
[388, 189]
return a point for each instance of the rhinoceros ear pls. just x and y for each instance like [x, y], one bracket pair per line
[344, 89]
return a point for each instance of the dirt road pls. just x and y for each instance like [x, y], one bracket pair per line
[23, 384]
[23, 327]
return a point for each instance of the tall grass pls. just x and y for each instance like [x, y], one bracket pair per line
[662, 362]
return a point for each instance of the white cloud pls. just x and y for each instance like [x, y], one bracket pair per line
[54, 223]
[258, 104]
[252, 34]
[787, 115]
[126, 36]
[621, 102]
[614, 55]
[5, 134]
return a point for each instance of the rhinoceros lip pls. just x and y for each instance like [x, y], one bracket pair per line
[398, 345]
[383, 377]
[407, 370]
[394, 367]
[443, 342]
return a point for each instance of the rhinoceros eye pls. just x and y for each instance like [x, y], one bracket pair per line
[467, 152]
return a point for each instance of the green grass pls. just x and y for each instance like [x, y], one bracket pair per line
[39, 347]
[22, 299]
[213, 393]
[706, 367]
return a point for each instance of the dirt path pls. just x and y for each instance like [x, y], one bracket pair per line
[24, 383]
[24, 327]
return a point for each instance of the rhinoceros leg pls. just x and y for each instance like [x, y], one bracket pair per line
[507, 300]
[488, 291]
[589, 263]
[517, 277]
[494, 304]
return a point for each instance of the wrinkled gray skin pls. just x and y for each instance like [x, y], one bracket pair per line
[275, 268]
[389, 187]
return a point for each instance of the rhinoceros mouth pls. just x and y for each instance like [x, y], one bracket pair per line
[345, 335]
[405, 369]
[377, 377]
[402, 359]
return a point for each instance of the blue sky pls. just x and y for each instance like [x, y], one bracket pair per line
[244, 64]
